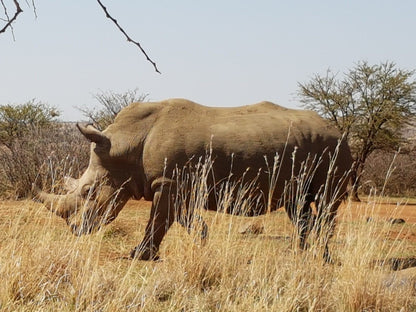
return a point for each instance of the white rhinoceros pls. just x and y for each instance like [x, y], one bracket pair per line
[143, 152]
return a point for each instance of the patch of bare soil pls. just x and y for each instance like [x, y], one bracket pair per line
[380, 210]
[395, 213]
[140, 209]
[389, 210]
[400, 215]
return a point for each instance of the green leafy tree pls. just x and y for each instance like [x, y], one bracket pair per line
[370, 104]
[17, 120]
[111, 104]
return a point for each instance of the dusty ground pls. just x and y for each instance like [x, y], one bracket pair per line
[130, 224]
[128, 229]
[135, 214]
[386, 209]
[391, 208]
[97, 263]
[380, 210]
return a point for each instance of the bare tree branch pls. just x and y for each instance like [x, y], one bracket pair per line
[127, 36]
[5, 12]
[34, 7]
[11, 20]
[9, 24]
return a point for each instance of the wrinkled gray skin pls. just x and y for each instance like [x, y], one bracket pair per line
[136, 156]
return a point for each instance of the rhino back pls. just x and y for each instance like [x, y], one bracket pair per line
[184, 129]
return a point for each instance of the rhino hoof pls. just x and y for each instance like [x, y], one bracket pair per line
[144, 253]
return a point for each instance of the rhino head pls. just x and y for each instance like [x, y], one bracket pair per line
[98, 195]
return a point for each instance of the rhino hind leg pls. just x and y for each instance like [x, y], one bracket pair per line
[301, 218]
[325, 224]
[161, 218]
[305, 222]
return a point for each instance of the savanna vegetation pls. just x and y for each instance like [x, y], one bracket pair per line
[43, 267]
[372, 105]
[32, 141]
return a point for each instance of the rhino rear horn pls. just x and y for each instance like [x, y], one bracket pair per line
[93, 134]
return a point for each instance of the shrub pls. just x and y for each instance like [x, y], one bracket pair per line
[50, 153]
[390, 173]
[17, 120]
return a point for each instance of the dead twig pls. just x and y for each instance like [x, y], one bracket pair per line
[11, 20]
[127, 36]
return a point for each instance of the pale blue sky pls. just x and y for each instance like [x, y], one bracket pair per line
[217, 53]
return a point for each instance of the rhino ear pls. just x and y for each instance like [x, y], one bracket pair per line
[93, 134]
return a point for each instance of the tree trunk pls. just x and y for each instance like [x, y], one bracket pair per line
[355, 183]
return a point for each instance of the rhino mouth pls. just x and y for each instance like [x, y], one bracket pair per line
[83, 215]
[67, 206]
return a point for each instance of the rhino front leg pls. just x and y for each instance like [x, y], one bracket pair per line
[162, 216]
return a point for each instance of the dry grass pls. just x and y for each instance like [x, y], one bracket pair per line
[43, 267]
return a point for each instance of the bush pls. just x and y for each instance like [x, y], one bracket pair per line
[17, 120]
[31, 140]
[48, 153]
[391, 173]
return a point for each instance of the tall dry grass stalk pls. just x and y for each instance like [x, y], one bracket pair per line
[43, 267]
